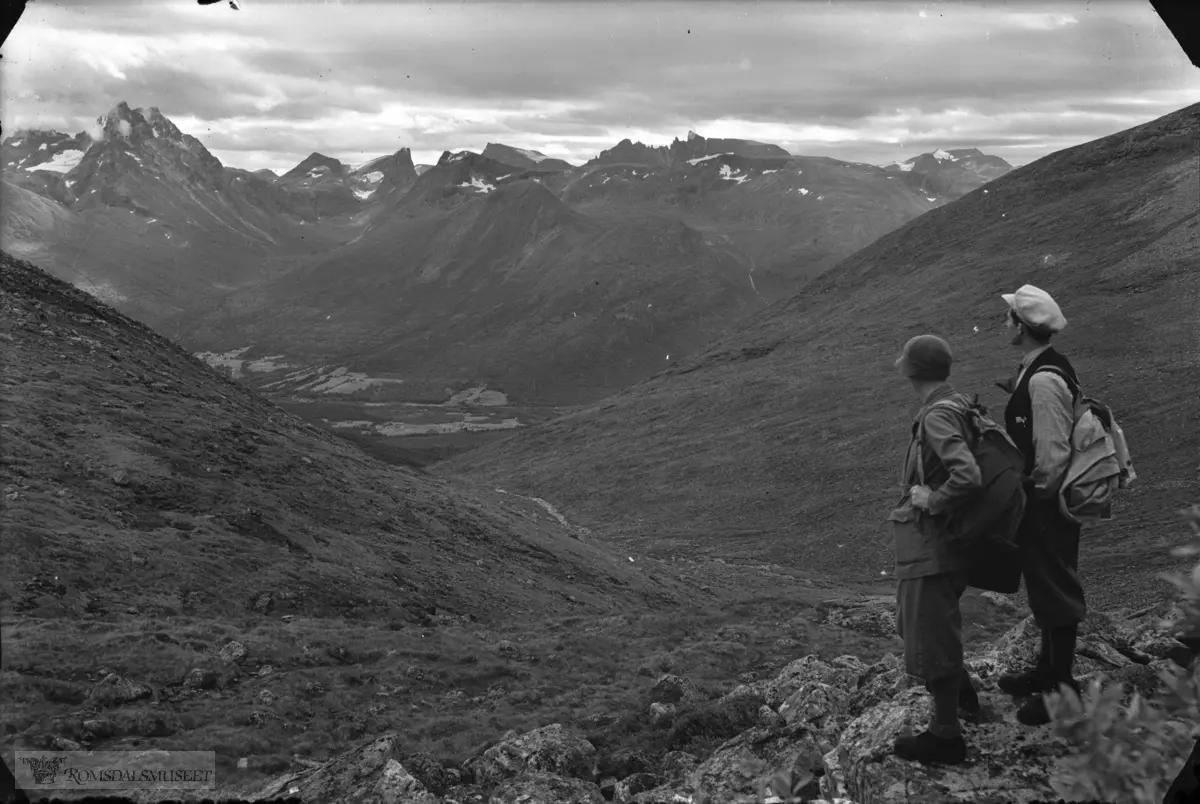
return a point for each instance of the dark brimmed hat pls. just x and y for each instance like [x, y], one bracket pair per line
[926, 357]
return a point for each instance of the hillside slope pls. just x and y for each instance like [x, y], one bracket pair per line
[784, 438]
[120, 448]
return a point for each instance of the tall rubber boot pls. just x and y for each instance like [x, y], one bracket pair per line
[1062, 667]
[1033, 681]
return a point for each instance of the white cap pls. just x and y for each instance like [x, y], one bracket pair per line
[1036, 308]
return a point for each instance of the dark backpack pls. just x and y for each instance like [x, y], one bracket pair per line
[987, 524]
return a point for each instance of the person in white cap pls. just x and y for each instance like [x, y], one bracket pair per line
[1039, 419]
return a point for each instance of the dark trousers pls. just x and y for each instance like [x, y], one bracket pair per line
[1049, 545]
[929, 621]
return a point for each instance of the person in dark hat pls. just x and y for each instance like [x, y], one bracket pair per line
[1040, 418]
[939, 473]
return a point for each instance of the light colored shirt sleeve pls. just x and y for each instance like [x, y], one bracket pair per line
[1053, 420]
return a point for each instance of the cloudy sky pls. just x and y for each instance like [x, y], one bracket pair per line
[856, 80]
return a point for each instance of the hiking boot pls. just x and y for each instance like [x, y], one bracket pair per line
[928, 749]
[1024, 684]
[1034, 711]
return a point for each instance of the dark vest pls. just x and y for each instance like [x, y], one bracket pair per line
[1018, 416]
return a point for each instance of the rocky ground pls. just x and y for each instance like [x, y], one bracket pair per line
[824, 725]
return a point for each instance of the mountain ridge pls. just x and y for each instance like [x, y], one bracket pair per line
[756, 220]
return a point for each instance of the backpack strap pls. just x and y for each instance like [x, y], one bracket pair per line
[941, 403]
[1072, 384]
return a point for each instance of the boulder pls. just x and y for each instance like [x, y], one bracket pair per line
[548, 750]
[625, 762]
[371, 774]
[873, 619]
[758, 688]
[629, 787]
[545, 788]
[660, 712]
[1161, 646]
[677, 765]
[672, 689]
[233, 652]
[200, 679]
[844, 672]
[882, 683]
[99, 728]
[663, 795]
[819, 706]
[769, 718]
[741, 765]
[433, 775]
[1001, 601]
[465, 794]
[1006, 761]
[113, 690]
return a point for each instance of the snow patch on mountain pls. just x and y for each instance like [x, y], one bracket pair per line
[458, 157]
[706, 158]
[534, 155]
[375, 175]
[727, 173]
[17, 143]
[765, 172]
[479, 184]
[943, 156]
[906, 166]
[42, 147]
[62, 162]
[363, 195]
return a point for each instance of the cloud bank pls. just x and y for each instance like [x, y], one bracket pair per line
[862, 81]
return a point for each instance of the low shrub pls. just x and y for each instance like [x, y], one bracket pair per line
[1121, 752]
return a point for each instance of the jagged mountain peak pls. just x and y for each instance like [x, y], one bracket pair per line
[119, 121]
[123, 122]
[160, 124]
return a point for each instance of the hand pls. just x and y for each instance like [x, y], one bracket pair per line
[920, 496]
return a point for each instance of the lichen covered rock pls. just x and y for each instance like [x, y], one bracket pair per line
[741, 765]
[1006, 761]
[545, 788]
[548, 750]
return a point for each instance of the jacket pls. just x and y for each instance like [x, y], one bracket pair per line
[923, 542]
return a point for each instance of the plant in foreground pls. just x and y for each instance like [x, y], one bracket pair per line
[1132, 753]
